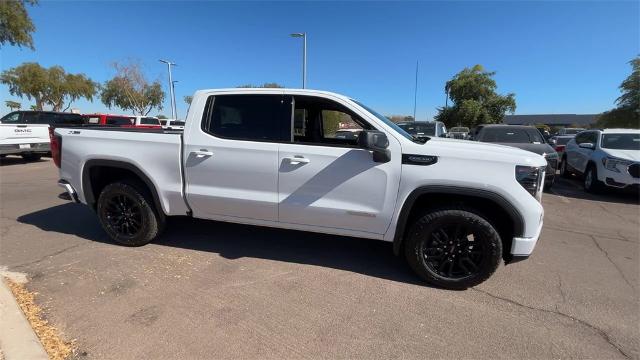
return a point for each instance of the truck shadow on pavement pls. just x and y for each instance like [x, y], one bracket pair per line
[234, 241]
[12, 160]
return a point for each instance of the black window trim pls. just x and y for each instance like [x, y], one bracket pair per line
[349, 112]
[208, 112]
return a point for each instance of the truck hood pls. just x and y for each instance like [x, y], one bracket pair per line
[632, 155]
[473, 150]
[534, 148]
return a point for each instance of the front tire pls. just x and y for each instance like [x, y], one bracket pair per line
[564, 171]
[127, 214]
[591, 182]
[453, 248]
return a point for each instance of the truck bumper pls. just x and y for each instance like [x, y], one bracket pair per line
[70, 192]
[12, 149]
[522, 247]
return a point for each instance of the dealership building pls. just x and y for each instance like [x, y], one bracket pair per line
[556, 120]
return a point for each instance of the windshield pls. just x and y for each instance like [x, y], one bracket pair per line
[384, 119]
[416, 128]
[621, 141]
[510, 135]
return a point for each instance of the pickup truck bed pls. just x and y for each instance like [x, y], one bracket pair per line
[155, 153]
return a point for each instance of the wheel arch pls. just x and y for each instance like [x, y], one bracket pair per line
[493, 206]
[98, 173]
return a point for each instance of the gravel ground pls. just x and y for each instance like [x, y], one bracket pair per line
[215, 290]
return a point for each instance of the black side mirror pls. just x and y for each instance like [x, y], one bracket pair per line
[377, 142]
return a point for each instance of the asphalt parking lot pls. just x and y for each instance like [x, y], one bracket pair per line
[215, 290]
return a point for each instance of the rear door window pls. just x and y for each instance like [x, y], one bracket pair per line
[582, 137]
[247, 117]
[69, 119]
[32, 118]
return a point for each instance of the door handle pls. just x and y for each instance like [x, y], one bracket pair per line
[295, 160]
[202, 153]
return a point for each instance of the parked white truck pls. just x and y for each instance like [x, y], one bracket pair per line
[270, 157]
[26, 133]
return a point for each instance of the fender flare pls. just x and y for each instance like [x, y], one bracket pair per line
[88, 189]
[403, 217]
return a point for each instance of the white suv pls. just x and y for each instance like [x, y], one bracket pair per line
[605, 158]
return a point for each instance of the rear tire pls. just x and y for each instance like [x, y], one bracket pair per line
[127, 214]
[453, 248]
[31, 157]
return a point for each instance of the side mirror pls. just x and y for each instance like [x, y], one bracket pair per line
[377, 142]
[586, 145]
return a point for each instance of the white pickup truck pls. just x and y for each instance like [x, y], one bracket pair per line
[26, 133]
[270, 157]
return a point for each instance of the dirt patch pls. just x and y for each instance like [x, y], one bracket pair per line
[49, 336]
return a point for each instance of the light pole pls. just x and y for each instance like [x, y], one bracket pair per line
[173, 89]
[304, 57]
[415, 93]
[172, 94]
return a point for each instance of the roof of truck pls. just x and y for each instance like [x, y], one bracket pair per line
[273, 91]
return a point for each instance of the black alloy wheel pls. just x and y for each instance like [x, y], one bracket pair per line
[127, 213]
[453, 248]
[451, 251]
[124, 215]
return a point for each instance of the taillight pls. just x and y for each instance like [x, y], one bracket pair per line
[56, 146]
[560, 147]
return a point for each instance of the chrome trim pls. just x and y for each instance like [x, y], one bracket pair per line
[69, 189]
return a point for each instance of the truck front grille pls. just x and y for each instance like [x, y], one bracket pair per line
[634, 170]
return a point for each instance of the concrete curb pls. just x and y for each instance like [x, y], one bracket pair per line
[17, 339]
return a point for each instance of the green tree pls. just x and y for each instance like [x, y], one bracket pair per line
[48, 86]
[265, 85]
[68, 88]
[130, 90]
[475, 100]
[188, 99]
[627, 112]
[13, 105]
[15, 24]
[400, 118]
[161, 116]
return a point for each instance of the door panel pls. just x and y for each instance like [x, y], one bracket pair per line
[235, 177]
[336, 187]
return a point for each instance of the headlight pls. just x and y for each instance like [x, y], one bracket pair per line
[615, 164]
[531, 179]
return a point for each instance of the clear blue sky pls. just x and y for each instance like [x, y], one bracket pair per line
[557, 57]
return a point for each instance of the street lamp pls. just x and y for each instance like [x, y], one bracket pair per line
[304, 57]
[173, 89]
[172, 94]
